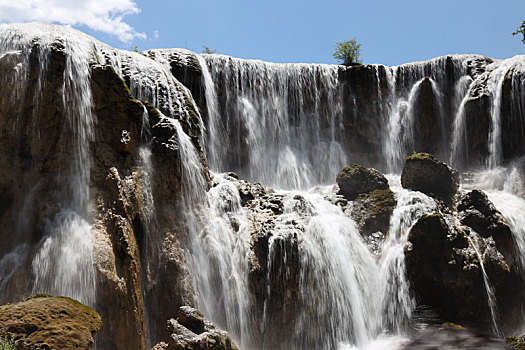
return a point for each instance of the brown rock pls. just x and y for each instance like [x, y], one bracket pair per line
[45, 322]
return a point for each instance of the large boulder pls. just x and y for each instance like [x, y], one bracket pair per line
[45, 322]
[446, 266]
[423, 172]
[191, 331]
[357, 180]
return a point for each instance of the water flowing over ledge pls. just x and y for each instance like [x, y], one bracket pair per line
[112, 201]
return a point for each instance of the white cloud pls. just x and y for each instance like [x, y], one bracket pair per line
[100, 15]
[155, 34]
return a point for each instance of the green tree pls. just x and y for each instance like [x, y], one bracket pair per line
[206, 49]
[348, 52]
[521, 30]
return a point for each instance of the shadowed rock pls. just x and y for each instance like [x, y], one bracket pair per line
[423, 172]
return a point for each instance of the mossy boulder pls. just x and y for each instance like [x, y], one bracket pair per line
[425, 173]
[372, 211]
[45, 322]
[356, 180]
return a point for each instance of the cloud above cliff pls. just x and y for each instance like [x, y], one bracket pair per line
[106, 16]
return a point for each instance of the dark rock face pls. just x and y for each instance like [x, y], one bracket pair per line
[428, 131]
[45, 322]
[446, 274]
[372, 211]
[191, 331]
[357, 180]
[423, 172]
[478, 212]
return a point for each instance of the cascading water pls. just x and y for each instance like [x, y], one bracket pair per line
[63, 264]
[283, 122]
[346, 310]
[398, 303]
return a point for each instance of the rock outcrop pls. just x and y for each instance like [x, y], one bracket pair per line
[446, 264]
[423, 172]
[45, 322]
[191, 331]
[357, 180]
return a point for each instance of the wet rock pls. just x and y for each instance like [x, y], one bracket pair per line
[357, 180]
[45, 322]
[423, 172]
[477, 211]
[445, 269]
[427, 135]
[372, 211]
[191, 331]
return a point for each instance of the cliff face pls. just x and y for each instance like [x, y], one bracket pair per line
[105, 188]
[83, 154]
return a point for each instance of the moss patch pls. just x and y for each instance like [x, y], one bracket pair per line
[381, 200]
[422, 156]
[44, 322]
[516, 342]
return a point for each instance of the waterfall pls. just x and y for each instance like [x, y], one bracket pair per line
[289, 267]
[63, 264]
[496, 80]
[458, 152]
[283, 122]
[397, 301]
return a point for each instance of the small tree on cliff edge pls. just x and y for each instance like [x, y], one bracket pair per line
[348, 52]
[521, 30]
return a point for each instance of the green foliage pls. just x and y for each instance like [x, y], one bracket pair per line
[7, 343]
[206, 49]
[348, 52]
[521, 30]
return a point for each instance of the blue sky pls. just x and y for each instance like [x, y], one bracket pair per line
[391, 32]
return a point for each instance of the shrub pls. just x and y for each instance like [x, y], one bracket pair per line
[348, 52]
